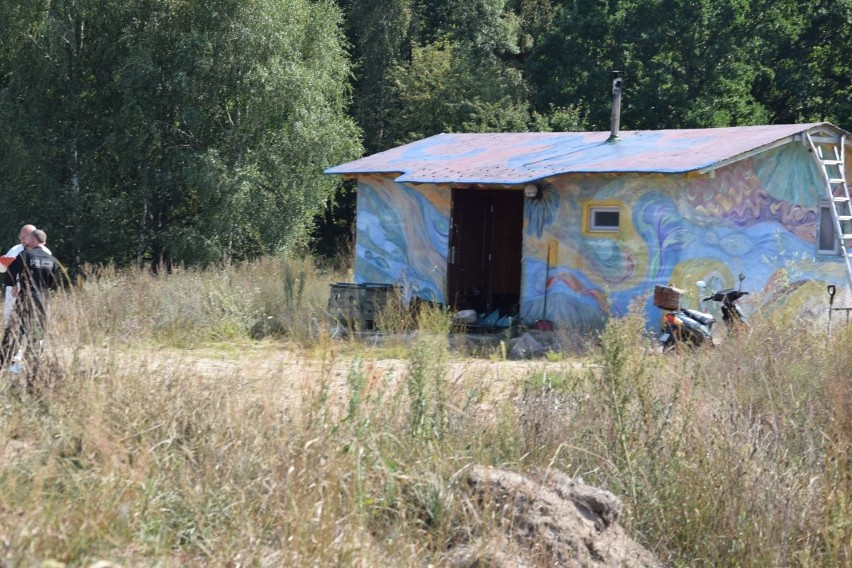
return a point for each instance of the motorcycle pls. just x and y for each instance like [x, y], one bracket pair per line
[694, 328]
[732, 314]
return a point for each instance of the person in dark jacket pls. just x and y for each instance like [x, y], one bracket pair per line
[9, 298]
[34, 274]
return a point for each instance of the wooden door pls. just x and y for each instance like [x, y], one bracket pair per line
[484, 265]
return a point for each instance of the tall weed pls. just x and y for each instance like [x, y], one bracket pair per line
[426, 379]
[273, 296]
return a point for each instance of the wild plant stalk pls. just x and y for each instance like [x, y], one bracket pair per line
[426, 378]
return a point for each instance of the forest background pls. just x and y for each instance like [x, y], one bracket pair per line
[156, 132]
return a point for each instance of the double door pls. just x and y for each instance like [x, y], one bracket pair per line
[484, 264]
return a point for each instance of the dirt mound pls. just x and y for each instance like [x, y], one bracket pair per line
[549, 519]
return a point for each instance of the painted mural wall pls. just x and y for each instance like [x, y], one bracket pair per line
[402, 236]
[758, 216]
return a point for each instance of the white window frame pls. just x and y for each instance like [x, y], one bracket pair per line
[595, 228]
[825, 212]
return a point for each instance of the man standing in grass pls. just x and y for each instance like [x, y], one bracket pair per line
[34, 272]
[9, 299]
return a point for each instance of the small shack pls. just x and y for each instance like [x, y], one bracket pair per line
[573, 227]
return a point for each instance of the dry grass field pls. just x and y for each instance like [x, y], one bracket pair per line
[209, 418]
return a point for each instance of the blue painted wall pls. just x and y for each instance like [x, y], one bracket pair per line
[402, 236]
[759, 216]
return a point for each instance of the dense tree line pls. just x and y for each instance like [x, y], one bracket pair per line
[489, 65]
[179, 131]
[157, 132]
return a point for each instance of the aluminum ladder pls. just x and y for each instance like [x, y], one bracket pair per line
[828, 152]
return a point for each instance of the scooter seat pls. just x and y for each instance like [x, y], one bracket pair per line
[701, 317]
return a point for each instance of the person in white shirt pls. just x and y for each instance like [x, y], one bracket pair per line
[9, 299]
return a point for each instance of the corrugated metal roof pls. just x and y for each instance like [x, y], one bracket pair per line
[516, 158]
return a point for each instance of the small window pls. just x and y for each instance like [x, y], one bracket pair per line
[604, 219]
[828, 243]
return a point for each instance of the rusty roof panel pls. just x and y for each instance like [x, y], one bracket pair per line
[515, 158]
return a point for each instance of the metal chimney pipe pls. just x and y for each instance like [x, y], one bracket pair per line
[615, 118]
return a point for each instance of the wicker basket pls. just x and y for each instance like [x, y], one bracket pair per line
[667, 297]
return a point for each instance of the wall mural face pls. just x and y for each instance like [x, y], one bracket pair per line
[759, 216]
[402, 236]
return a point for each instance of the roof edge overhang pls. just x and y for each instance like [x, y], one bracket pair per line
[798, 137]
[337, 170]
[412, 179]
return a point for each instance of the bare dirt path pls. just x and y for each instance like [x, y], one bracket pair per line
[290, 371]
